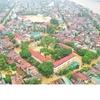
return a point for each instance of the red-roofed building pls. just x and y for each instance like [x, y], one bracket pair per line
[57, 82]
[25, 65]
[1, 28]
[9, 44]
[21, 17]
[65, 46]
[63, 62]
[52, 83]
[16, 79]
[19, 38]
[38, 57]
[80, 75]
[94, 70]
[6, 38]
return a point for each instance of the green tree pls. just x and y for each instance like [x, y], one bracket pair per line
[86, 69]
[86, 59]
[70, 44]
[46, 68]
[25, 45]
[56, 54]
[69, 75]
[13, 41]
[54, 21]
[11, 36]
[51, 29]
[25, 53]
[59, 53]
[7, 68]
[8, 79]
[90, 54]
[48, 41]
[46, 51]
[13, 66]
[98, 51]
[17, 45]
[33, 81]
[3, 61]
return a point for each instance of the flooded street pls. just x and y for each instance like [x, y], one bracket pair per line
[48, 80]
[93, 5]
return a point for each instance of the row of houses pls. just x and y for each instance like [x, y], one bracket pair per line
[25, 66]
[92, 76]
[31, 7]
[7, 48]
[63, 80]
[5, 6]
[81, 29]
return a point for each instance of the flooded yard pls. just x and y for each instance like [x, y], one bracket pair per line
[79, 59]
[36, 18]
[48, 80]
[17, 50]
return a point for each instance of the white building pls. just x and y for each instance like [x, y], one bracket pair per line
[63, 62]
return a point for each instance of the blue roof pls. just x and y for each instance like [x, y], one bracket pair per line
[7, 33]
[66, 80]
[36, 35]
[74, 64]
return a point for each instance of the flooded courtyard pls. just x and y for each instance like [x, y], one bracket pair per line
[37, 18]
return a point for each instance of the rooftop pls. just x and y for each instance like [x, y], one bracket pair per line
[38, 56]
[61, 61]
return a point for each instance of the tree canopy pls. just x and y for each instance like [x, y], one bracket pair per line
[59, 53]
[86, 59]
[25, 53]
[46, 68]
[13, 66]
[51, 29]
[54, 21]
[11, 36]
[47, 42]
[33, 81]
[8, 79]
[3, 61]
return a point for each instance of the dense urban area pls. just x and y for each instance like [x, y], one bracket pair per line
[48, 42]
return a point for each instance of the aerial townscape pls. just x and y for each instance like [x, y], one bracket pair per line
[48, 42]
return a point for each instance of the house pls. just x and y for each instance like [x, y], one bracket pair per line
[19, 38]
[59, 64]
[82, 76]
[66, 80]
[2, 81]
[36, 35]
[33, 72]
[65, 46]
[61, 81]
[39, 57]
[95, 80]
[74, 65]
[1, 28]
[16, 79]
[21, 17]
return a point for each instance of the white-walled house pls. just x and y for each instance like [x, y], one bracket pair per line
[63, 62]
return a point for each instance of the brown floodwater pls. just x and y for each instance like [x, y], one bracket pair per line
[93, 5]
